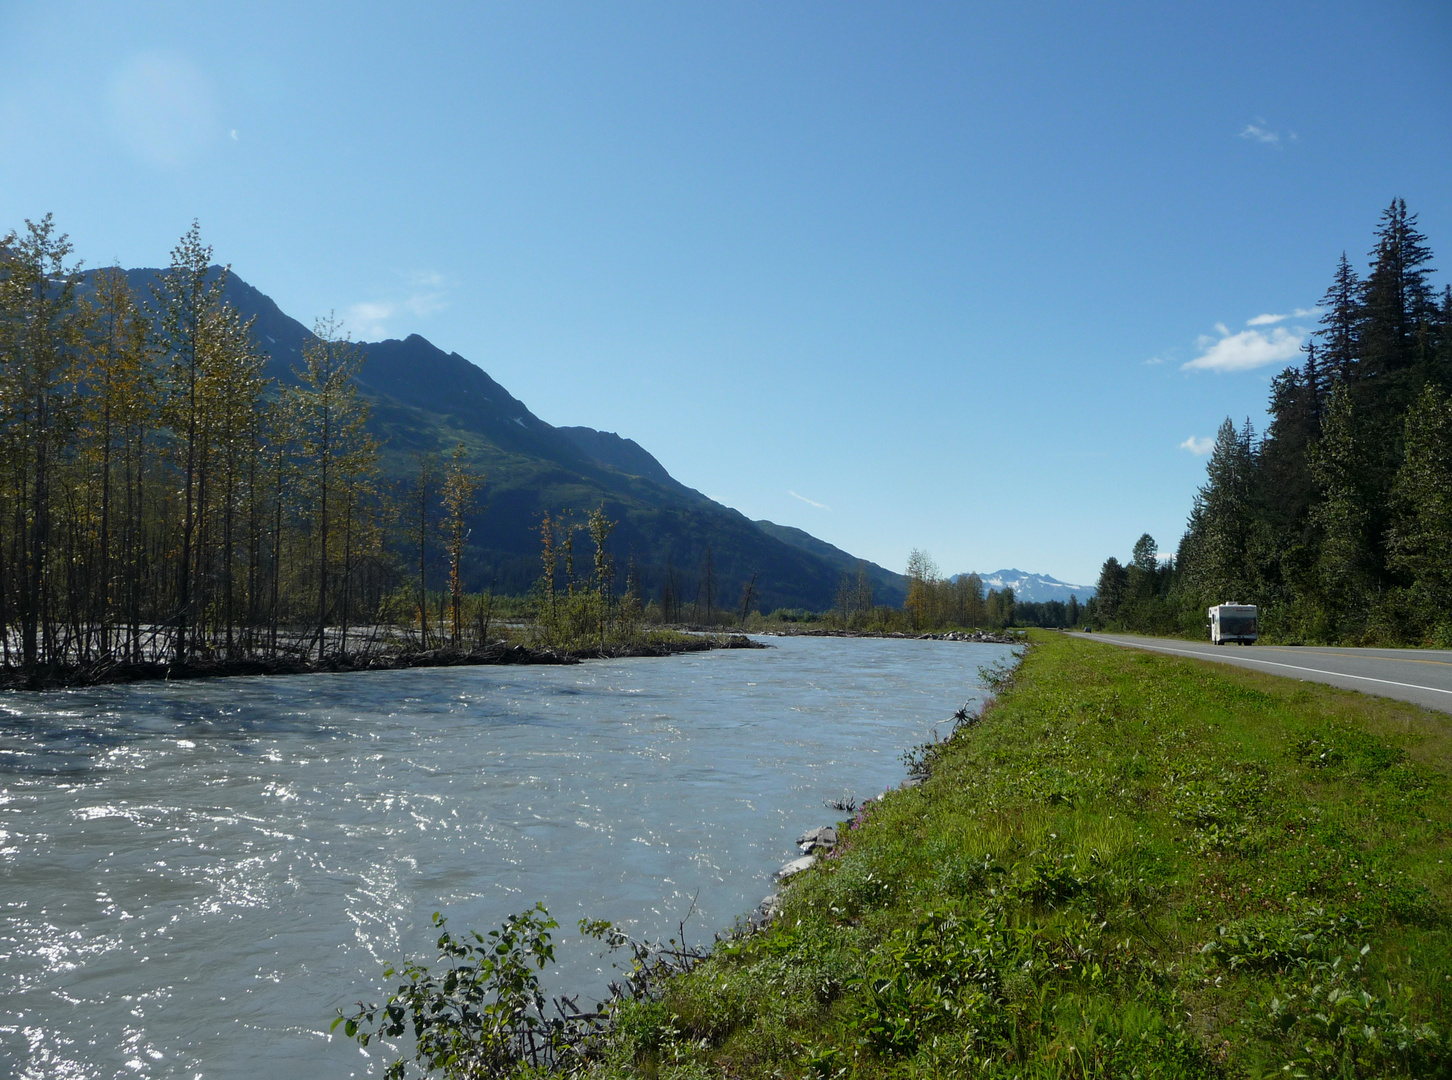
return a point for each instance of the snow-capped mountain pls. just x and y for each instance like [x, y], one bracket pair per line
[1034, 588]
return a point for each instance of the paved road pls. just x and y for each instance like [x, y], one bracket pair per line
[1422, 676]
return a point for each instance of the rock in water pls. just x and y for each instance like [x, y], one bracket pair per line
[796, 866]
[823, 838]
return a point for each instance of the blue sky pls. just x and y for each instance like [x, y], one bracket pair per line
[971, 278]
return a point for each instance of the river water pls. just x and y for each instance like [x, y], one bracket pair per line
[195, 876]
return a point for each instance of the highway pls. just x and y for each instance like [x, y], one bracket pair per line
[1421, 676]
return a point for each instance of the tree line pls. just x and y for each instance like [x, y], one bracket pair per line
[1337, 520]
[934, 602]
[163, 500]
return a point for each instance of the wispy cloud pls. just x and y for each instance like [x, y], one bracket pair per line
[1199, 445]
[1260, 132]
[1271, 320]
[1153, 360]
[427, 294]
[368, 320]
[810, 502]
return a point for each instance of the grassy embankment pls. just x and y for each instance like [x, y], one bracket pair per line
[1135, 865]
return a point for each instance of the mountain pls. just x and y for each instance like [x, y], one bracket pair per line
[424, 400]
[627, 455]
[1033, 588]
[887, 587]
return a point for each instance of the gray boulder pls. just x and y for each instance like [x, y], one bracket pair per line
[819, 839]
[796, 866]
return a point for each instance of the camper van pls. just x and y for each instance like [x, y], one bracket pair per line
[1233, 622]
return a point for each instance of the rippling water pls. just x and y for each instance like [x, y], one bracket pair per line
[193, 877]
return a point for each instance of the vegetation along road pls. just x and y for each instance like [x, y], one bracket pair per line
[1421, 676]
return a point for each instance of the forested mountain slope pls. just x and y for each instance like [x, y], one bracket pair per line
[424, 401]
[887, 587]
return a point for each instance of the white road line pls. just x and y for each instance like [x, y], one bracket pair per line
[1272, 663]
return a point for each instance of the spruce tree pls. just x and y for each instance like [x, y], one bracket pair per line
[1341, 324]
[1221, 524]
[1420, 539]
[1109, 592]
[1396, 298]
[1341, 513]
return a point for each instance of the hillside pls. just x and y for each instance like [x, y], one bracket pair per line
[425, 400]
[887, 587]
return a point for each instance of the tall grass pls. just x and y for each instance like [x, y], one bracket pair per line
[1134, 865]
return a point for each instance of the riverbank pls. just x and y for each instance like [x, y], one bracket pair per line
[53, 677]
[1131, 864]
[982, 637]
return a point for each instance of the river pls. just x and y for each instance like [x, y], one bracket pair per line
[195, 876]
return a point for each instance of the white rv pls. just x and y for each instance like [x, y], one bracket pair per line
[1233, 622]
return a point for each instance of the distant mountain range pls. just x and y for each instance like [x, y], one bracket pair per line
[1034, 588]
[426, 400]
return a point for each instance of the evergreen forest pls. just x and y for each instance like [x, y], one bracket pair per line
[1337, 519]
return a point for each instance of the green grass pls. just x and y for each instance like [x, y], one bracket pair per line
[1135, 865]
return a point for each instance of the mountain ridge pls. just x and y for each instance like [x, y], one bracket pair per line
[1032, 588]
[424, 400]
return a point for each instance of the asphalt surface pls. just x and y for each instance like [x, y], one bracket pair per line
[1421, 676]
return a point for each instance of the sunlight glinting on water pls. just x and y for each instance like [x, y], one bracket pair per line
[195, 876]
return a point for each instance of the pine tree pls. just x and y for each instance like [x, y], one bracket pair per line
[1420, 540]
[1396, 298]
[1110, 589]
[1218, 539]
[1146, 554]
[1341, 323]
[1347, 560]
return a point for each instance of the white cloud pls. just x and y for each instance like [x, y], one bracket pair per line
[234, 134]
[367, 321]
[1270, 320]
[1199, 445]
[1153, 360]
[1260, 132]
[810, 502]
[428, 295]
[1246, 350]
[425, 304]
